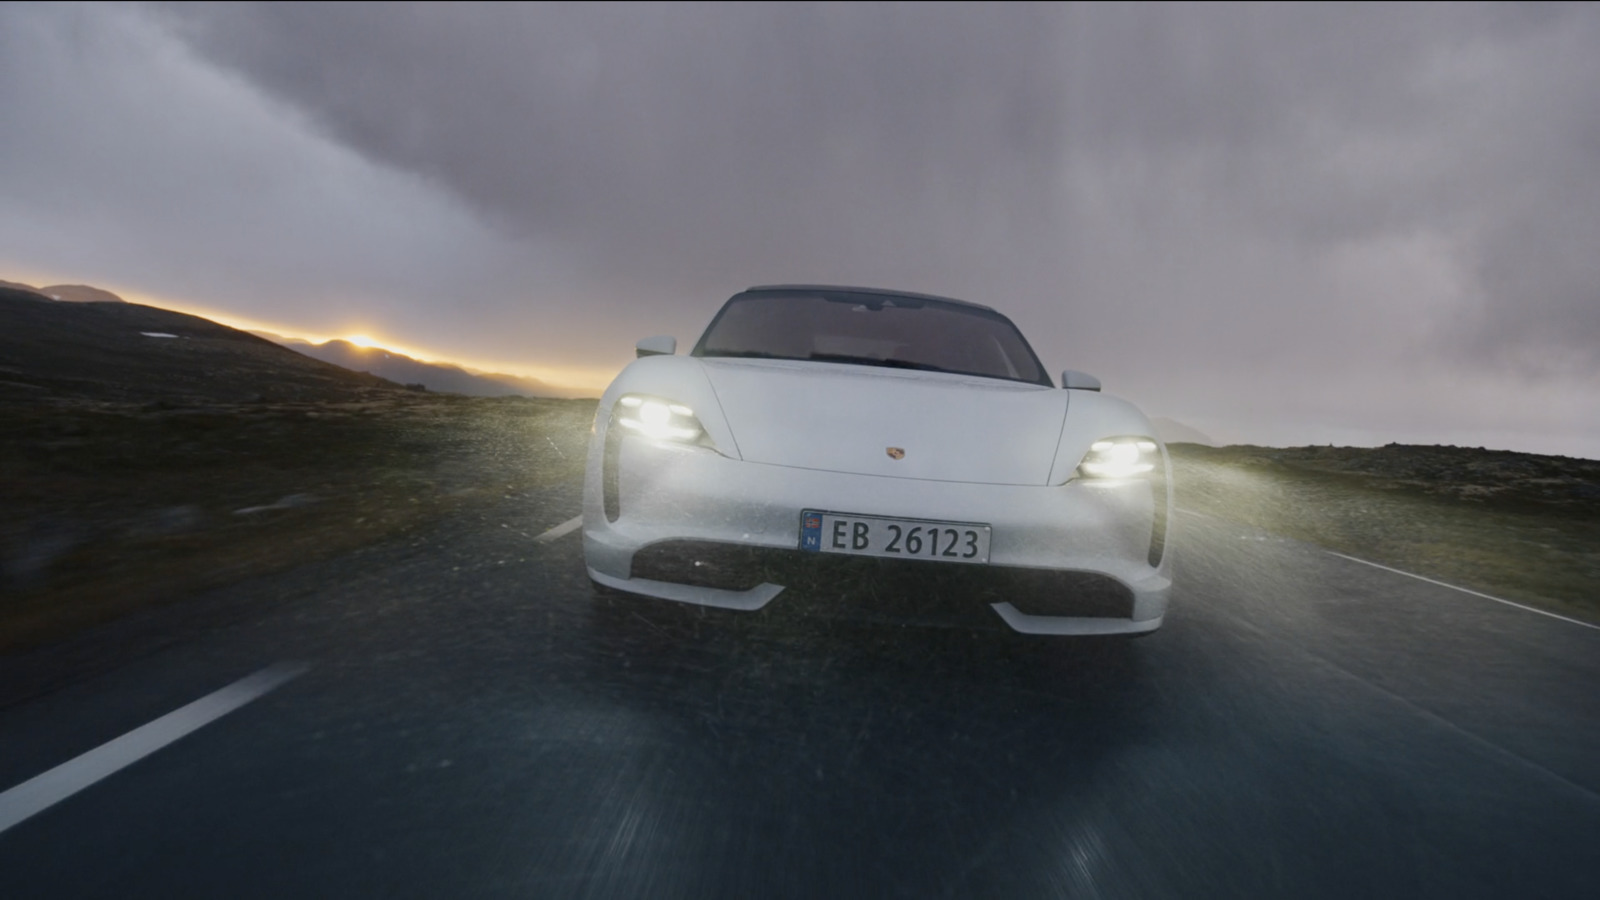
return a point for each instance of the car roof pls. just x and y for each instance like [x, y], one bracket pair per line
[844, 289]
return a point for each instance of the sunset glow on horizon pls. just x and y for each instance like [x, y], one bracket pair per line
[593, 378]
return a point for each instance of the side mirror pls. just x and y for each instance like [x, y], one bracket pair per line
[660, 345]
[1073, 380]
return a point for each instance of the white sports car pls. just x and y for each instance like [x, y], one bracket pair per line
[864, 436]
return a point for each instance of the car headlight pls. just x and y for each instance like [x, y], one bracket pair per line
[653, 417]
[1119, 457]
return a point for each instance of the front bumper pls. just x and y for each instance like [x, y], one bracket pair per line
[667, 495]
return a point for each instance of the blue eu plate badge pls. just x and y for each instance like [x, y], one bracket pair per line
[811, 531]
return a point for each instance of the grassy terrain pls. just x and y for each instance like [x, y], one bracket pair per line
[109, 507]
[1518, 526]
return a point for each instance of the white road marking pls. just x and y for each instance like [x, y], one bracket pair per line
[1466, 591]
[1454, 587]
[49, 788]
[564, 528]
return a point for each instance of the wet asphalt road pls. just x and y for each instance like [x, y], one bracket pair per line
[472, 722]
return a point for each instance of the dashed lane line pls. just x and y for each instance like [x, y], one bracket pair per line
[1446, 584]
[49, 788]
[1466, 590]
[566, 527]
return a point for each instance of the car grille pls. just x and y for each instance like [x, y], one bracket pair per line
[885, 584]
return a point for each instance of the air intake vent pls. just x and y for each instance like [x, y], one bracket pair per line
[886, 584]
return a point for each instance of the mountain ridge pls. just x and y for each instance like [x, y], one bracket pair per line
[128, 352]
[386, 365]
[67, 293]
[435, 376]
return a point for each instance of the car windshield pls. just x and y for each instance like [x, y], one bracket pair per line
[891, 330]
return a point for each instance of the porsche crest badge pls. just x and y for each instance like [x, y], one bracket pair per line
[896, 452]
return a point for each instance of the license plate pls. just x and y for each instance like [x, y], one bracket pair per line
[828, 532]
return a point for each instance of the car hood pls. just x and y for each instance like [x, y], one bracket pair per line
[845, 418]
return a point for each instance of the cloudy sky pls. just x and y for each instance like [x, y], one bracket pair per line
[1347, 224]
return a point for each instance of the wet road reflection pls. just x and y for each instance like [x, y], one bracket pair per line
[477, 728]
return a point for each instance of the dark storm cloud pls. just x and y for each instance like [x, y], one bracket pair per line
[694, 148]
[659, 139]
[127, 161]
[1290, 222]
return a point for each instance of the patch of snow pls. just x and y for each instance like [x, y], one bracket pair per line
[156, 334]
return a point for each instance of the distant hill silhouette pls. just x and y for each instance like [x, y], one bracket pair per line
[128, 352]
[70, 293]
[79, 293]
[1172, 431]
[57, 358]
[434, 376]
[18, 286]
